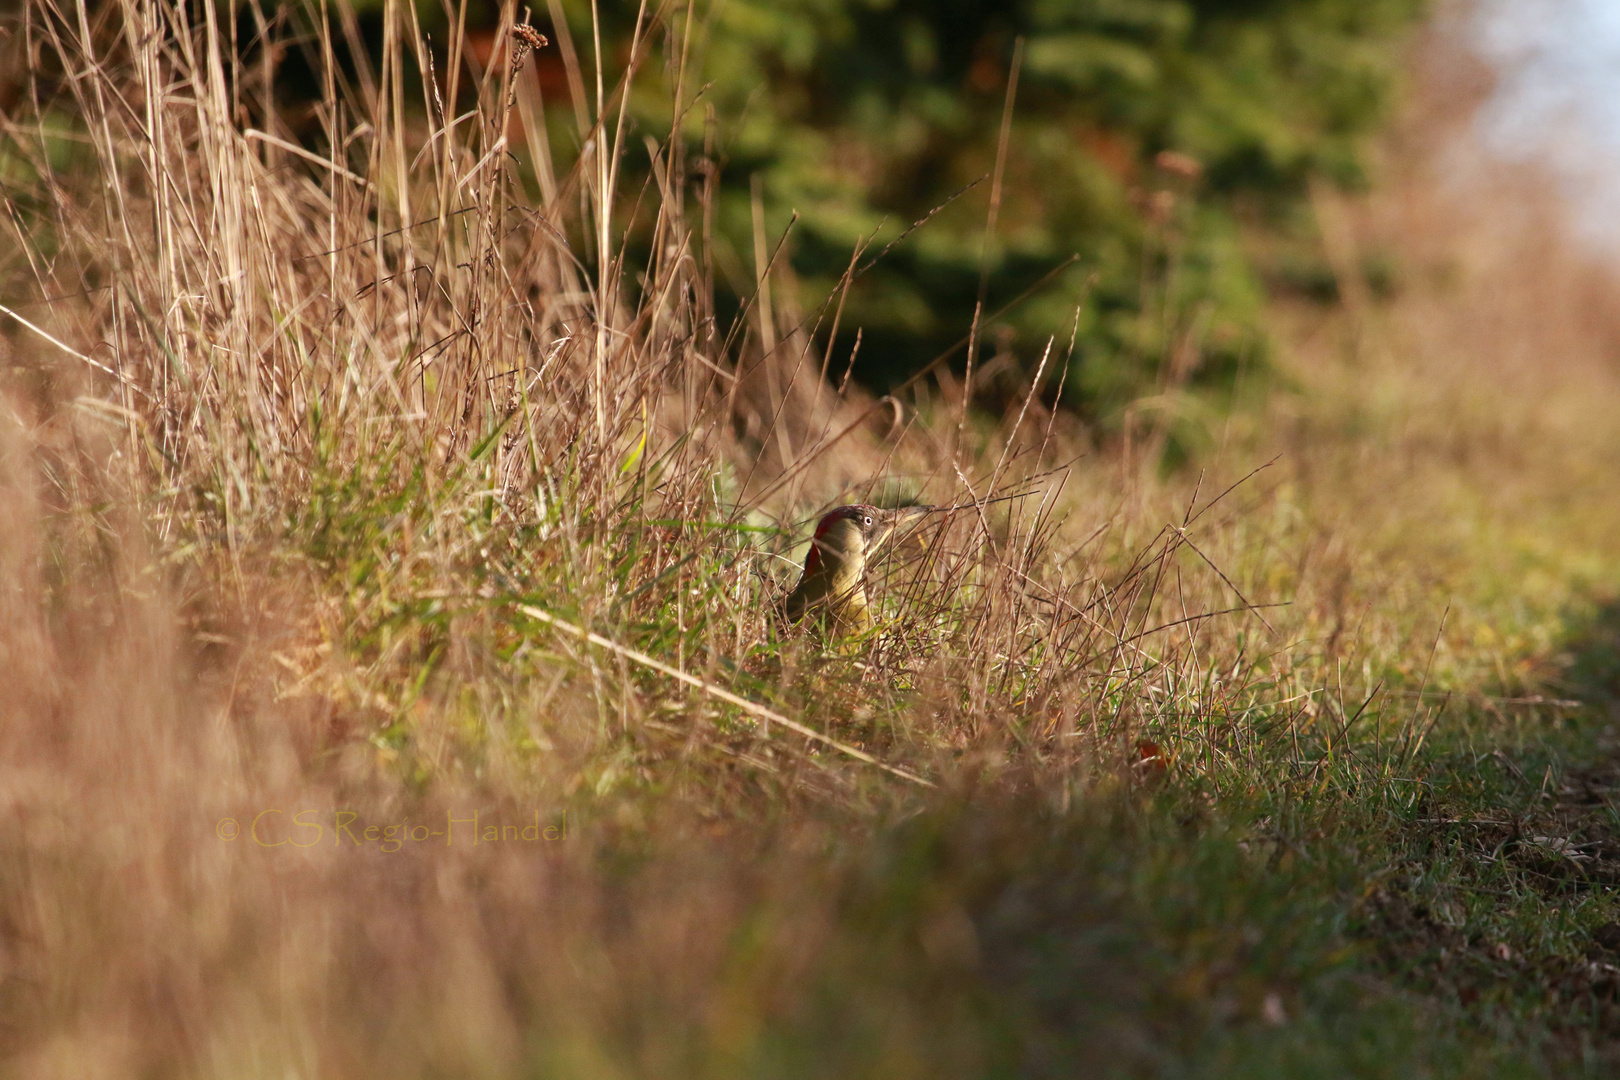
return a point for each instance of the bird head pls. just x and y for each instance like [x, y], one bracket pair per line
[835, 566]
[846, 537]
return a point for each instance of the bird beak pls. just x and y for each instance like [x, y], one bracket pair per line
[896, 521]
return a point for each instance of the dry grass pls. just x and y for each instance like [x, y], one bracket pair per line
[312, 435]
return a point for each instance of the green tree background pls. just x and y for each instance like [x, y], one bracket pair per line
[1163, 144]
[864, 115]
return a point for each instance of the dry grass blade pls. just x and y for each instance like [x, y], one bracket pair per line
[720, 693]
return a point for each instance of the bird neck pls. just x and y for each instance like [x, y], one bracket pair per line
[840, 573]
[846, 588]
[834, 575]
[844, 571]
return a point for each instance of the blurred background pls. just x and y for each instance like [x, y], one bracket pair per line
[1149, 162]
[1557, 102]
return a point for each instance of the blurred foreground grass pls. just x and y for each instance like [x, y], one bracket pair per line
[1296, 763]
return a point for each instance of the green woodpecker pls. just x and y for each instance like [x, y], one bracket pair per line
[833, 587]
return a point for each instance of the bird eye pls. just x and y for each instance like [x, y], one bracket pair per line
[868, 519]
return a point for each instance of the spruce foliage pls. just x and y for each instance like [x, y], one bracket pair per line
[1146, 138]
